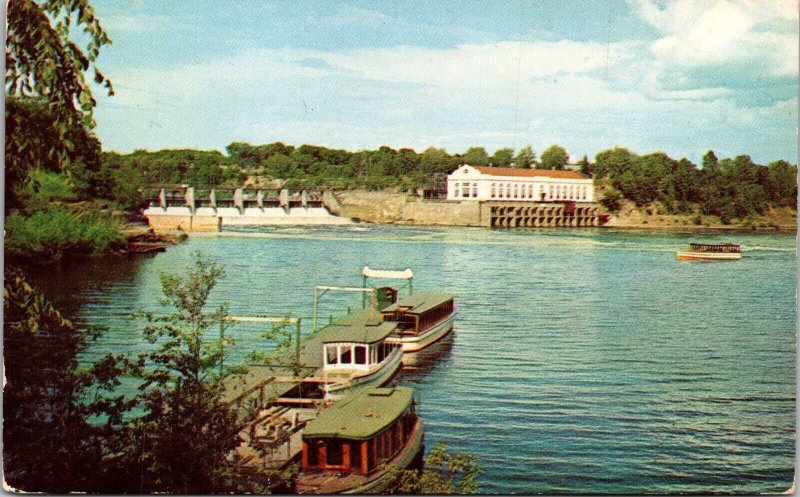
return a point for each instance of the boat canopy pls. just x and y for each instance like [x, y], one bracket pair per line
[361, 416]
[359, 328]
[378, 273]
[419, 303]
[715, 247]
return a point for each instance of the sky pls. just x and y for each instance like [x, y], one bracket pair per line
[681, 77]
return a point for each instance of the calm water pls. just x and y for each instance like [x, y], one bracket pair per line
[583, 361]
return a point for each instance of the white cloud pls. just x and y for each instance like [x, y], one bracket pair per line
[586, 96]
[741, 45]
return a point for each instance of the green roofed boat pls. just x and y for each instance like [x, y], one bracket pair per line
[351, 446]
[423, 318]
[357, 354]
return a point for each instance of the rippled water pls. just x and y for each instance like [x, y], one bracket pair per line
[583, 360]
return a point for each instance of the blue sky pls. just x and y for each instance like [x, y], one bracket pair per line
[681, 77]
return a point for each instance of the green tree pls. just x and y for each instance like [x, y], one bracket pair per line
[502, 157]
[613, 163]
[611, 199]
[476, 156]
[586, 166]
[181, 441]
[434, 160]
[525, 158]
[443, 473]
[555, 157]
[782, 183]
[44, 62]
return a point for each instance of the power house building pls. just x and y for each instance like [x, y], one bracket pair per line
[511, 197]
[507, 183]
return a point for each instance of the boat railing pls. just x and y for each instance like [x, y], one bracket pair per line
[320, 290]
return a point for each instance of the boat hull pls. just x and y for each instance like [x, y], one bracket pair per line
[376, 378]
[708, 256]
[402, 461]
[429, 337]
[374, 483]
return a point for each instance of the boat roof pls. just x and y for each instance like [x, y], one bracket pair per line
[358, 327]
[726, 244]
[361, 416]
[420, 302]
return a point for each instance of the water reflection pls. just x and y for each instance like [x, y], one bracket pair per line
[417, 365]
[67, 283]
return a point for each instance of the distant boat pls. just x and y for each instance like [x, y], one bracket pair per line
[352, 446]
[711, 252]
[424, 318]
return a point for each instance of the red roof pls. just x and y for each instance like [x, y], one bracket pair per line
[528, 173]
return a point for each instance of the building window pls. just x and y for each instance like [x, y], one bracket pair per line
[455, 190]
[465, 190]
[530, 191]
[493, 192]
[508, 190]
[475, 190]
[516, 191]
[347, 356]
[550, 194]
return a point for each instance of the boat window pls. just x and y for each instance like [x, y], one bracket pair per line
[334, 453]
[313, 453]
[355, 455]
[361, 355]
[332, 357]
[347, 356]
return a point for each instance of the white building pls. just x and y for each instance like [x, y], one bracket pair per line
[506, 183]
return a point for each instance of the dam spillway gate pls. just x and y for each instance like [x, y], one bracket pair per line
[499, 214]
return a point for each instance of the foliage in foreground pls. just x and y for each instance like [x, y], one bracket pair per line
[49, 445]
[49, 47]
[73, 429]
[443, 473]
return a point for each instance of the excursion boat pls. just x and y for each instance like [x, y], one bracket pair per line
[352, 446]
[357, 354]
[711, 252]
[423, 319]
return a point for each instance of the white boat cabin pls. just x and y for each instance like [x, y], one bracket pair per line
[356, 343]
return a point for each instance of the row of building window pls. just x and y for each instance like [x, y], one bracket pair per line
[552, 192]
[525, 191]
[466, 190]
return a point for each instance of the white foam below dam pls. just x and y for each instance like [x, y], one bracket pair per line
[231, 216]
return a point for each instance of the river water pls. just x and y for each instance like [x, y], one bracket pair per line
[583, 360]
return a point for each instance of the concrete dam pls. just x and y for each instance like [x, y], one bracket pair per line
[211, 210]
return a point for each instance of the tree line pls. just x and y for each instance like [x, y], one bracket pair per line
[729, 188]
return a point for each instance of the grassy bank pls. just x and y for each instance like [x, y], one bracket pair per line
[54, 222]
[51, 233]
[654, 217]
